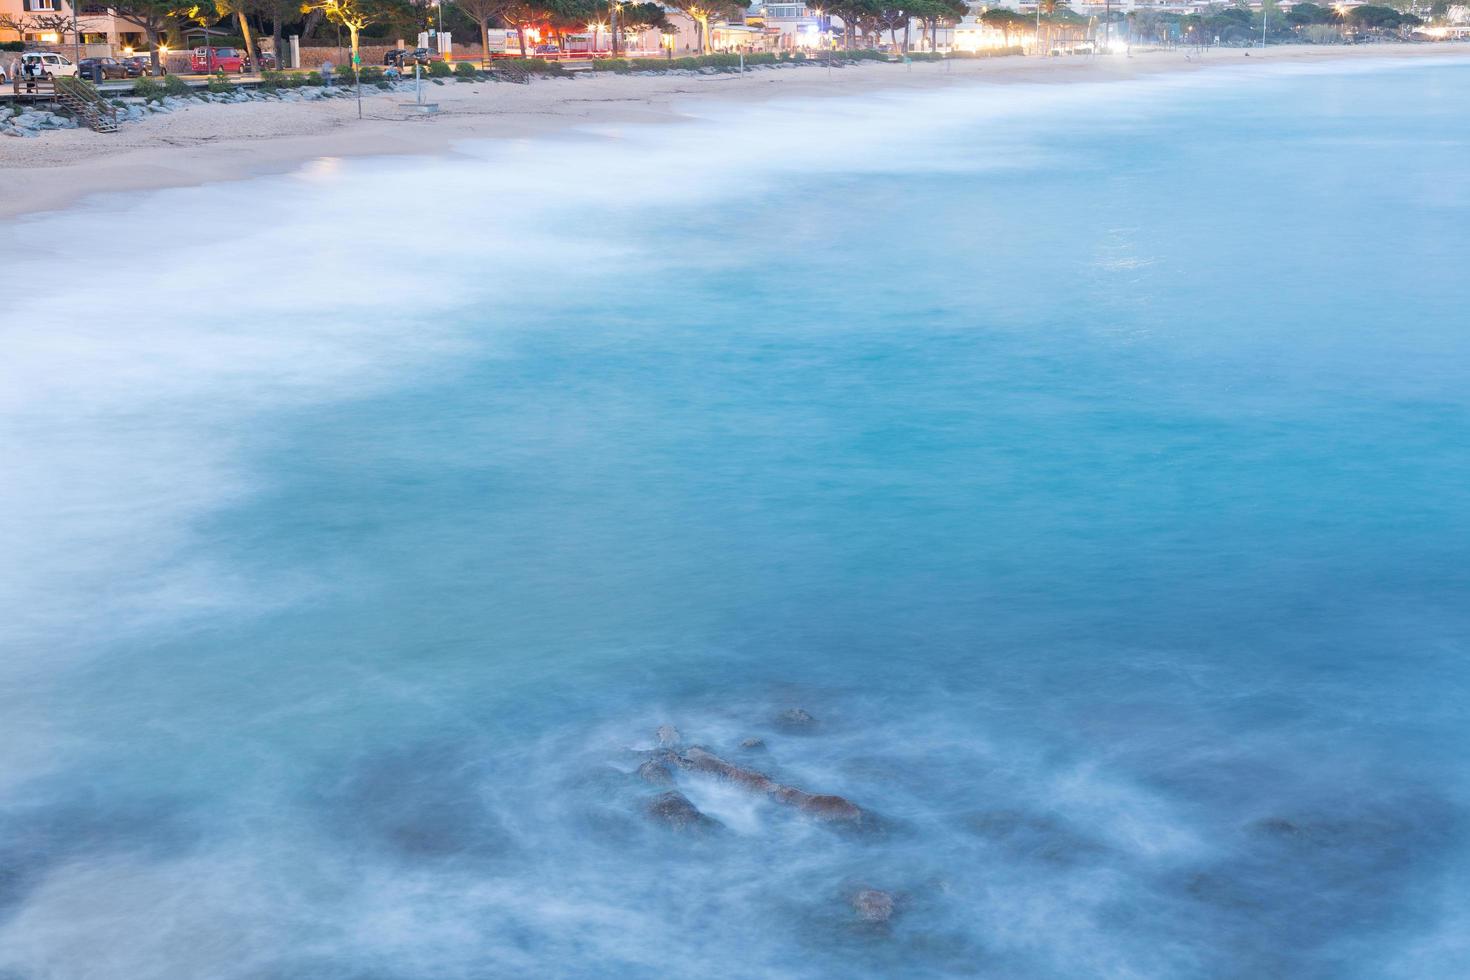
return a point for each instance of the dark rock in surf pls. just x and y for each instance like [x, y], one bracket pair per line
[873, 905]
[656, 772]
[796, 721]
[673, 810]
[820, 806]
[754, 744]
[668, 736]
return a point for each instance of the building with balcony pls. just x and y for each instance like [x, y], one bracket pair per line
[54, 23]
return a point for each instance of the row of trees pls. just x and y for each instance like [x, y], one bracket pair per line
[560, 17]
[161, 19]
[1008, 22]
[1367, 17]
[1240, 24]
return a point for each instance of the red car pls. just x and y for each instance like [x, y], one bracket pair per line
[207, 61]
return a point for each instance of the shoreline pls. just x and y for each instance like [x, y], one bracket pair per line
[209, 143]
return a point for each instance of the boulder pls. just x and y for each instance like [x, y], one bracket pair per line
[673, 810]
[753, 744]
[656, 772]
[667, 736]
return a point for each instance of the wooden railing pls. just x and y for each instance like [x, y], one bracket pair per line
[82, 100]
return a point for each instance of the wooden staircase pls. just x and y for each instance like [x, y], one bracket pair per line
[511, 73]
[87, 104]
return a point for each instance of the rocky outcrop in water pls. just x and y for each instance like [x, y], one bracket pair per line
[656, 772]
[821, 806]
[673, 810]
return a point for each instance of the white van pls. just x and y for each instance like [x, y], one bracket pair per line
[50, 65]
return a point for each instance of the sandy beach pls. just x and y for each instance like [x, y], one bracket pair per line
[210, 142]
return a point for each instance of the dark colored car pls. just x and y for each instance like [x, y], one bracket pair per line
[97, 69]
[139, 65]
[267, 61]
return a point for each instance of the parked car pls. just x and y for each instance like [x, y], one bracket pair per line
[139, 65]
[267, 61]
[207, 61]
[98, 69]
[46, 65]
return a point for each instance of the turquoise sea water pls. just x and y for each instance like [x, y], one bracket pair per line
[1091, 461]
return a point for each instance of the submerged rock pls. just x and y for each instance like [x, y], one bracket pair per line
[1278, 827]
[667, 736]
[656, 772]
[673, 810]
[796, 721]
[872, 905]
[753, 744]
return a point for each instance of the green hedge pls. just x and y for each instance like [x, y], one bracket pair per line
[12, 45]
[219, 84]
[439, 69]
[988, 53]
[536, 66]
[149, 89]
